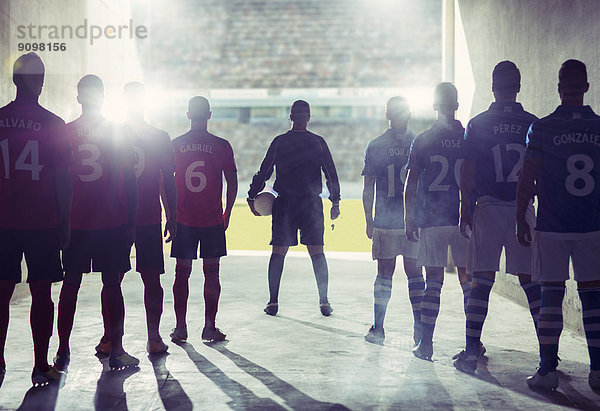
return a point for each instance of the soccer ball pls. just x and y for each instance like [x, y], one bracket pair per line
[263, 203]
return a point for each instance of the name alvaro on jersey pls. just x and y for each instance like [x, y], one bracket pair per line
[20, 123]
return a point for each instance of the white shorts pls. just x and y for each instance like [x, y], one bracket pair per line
[552, 251]
[390, 243]
[434, 243]
[494, 227]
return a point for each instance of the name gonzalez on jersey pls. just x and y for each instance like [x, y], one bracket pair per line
[576, 138]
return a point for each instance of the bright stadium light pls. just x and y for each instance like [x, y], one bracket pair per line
[420, 99]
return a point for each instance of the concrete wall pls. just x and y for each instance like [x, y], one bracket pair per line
[538, 35]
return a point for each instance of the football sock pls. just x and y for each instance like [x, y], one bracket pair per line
[416, 288]
[550, 324]
[181, 292]
[533, 292]
[112, 298]
[105, 319]
[466, 289]
[382, 291]
[153, 301]
[477, 308]
[67, 304]
[212, 291]
[275, 271]
[430, 307]
[319, 264]
[590, 302]
[41, 319]
[6, 292]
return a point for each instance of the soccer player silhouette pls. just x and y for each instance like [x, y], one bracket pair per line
[298, 157]
[563, 162]
[495, 147]
[103, 221]
[35, 202]
[201, 161]
[431, 204]
[384, 176]
[154, 164]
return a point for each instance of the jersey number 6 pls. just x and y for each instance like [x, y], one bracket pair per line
[192, 174]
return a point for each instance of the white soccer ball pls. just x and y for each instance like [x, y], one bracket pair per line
[263, 203]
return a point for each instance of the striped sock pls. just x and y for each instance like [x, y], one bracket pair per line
[533, 292]
[382, 291]
[430, 307]
[466, 289]
[550, 324]
[477, 308]
[416, 288]
[590, 302]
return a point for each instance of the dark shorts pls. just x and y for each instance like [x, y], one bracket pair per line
[149, 255]
[211, 239]
[41, 251]
[104, 251]
[291, 214]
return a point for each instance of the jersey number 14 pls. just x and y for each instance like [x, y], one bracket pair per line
[30, 152]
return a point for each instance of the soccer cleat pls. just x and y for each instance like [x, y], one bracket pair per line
[594, 379]
[156, 347]
[423, 350]
[549, 381]
[466, 363]
[417, 333]
[375, 336]
[103, 348]
[179, 335]
[271, 309]
[51, 376]
[326, 309]
[480, 354]
[120, 362]
[2, 375]
[61, 361]
[212, 335]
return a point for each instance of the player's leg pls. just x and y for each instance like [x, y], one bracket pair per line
[212, 292]
[41, 319]
[7, 288]
[11, 255]
[319, 263]
[589, 294]
[274, 276]
[181, 292]
[416, 289]
[533, 293]
[67, 304]
[382, 292]
[430, 308]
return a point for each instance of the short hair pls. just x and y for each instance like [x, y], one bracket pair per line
[397, 103]
[199, 108]
[506, 78]
[572, 72]
[445, 93]
[133, 87]
[300, 106]
[90, 82]
[28, 70]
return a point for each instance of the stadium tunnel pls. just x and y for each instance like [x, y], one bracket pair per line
[537, 35]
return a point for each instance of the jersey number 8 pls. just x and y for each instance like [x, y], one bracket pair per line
[580, 174]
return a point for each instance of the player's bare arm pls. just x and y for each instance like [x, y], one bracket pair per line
[170, 204]
[332, 181]
[527, 179]
[130, 181]
[368, 195]
[232, 188]
[264, 173]
[467, 182]
[63, 186]
[410, 194]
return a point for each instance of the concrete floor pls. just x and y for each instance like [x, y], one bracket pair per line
[299, 359]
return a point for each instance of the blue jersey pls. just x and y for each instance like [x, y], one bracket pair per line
[386, 158]
[568, 144]
[437, 154]
[496, 142]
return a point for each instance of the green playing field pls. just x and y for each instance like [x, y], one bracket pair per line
[248, 232]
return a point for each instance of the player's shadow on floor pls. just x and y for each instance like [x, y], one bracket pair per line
[40, 398]
[110, 394]
[171, 393]
[321, 327]
[241, 397]
[293, 397]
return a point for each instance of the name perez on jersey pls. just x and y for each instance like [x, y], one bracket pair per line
[20, 123]
[576, 138]
[506, 128]
[207, 148]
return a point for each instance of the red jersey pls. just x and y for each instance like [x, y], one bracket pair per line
[154, 155]
[200, 160]
[33, 143]
[102, 151]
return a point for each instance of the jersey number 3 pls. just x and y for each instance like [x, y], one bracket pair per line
[30, 151]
